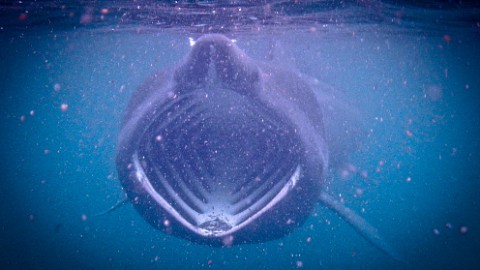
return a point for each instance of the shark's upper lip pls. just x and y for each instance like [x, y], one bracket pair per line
[215, 163]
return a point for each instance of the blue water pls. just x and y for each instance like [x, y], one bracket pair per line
[417, 92]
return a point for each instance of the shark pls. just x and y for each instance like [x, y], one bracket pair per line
[222, 149]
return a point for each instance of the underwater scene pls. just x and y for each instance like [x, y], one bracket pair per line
[239, 135]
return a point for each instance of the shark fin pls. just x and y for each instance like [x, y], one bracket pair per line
[366, 230]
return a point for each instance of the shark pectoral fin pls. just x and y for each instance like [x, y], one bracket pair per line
[369, 232]
[113, 208]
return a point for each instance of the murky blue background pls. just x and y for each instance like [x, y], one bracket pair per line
[417, 91]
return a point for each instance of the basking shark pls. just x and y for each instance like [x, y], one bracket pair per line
[223, 150]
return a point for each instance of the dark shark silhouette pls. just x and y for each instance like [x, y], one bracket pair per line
[226, 150]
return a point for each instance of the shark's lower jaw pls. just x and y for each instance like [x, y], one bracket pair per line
[215, 161]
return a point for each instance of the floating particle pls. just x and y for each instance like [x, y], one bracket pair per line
[191, 41]
[57, 87]
[409, 179]
[104, 11]
[351, 168]
[408, 133]
[64, 107]
[434, 92]
[166, 223]
[158, 138]
[358, 191]
[86, 18]
[299, 264]
[31, 217]
[46, 151]
[449, 226]
[344, 174]
[209, 262]
[309, 239]
[447, 38]
[84, 217]
[135, 200]
[22, 17]
[463, 229]
[347, 171]
[227, 241]
[364, 174]
[379, 119]
[32, 113]
[436, 231]
[22, 118]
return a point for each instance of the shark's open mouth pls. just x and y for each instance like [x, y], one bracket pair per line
[216, 161]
